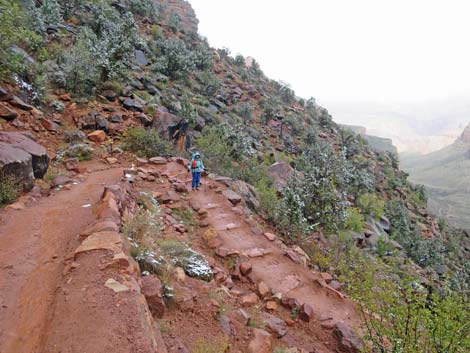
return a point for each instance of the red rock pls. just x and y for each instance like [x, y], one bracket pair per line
[290, 322]
[50, 125]
[270, 236]
[255, 252]
[98, 136]
[275, 325]
[245, 268]
[262, 342]
[326, 277]
[249, 299]
[158, 160]
[306, 312]
[100, 227]
[232, 196]
[240, 316]
[214, 243]
[71, 164]
[291, 254]
[18, 103]
[111, 160]
[152, 289]
[203, 213]
[271, 305]
[170, 196]
[7, 113]
[60, 180]
[141, 161]
[290, 303]
[336, 285]
[182, 188]
[263, 289]
[347, 340]
[180, 228]
[328, 325]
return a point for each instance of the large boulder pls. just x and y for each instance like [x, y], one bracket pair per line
[14, 161]
[347, 340]
[247, 192]
[262, 342]
[25, 141]
[173, 128]
[281, 172]
[7, 113]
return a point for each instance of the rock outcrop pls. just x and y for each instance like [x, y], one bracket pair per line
[465, 137]
[22, 157]
[184, 11]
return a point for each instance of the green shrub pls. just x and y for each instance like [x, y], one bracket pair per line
[174, 59]
[9, 189]
[14, 30]
[209, 82]
[144, 8]
[223, 146]
[425, 252]
[102, 52]
[202, 56]
[145, 143]
[246, 112]
[145, 225]
[372, 205]
[212, 345]
[355, 220]
[174, 22]
[402, 316]
[323, 189]
[51, 12]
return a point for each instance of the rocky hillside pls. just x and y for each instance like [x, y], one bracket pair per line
[444, 173]
[90, 88]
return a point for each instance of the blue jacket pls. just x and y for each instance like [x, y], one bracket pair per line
[200, 165]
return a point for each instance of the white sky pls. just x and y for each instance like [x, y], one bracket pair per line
[336, 50]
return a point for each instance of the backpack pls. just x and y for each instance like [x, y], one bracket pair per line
[194, 164]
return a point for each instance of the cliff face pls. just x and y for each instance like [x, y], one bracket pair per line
[465, 137]
[379, 144]
[186, 14]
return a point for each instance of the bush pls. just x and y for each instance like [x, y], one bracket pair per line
[202, 56]
[174, 59]
[174, 22]
[51, 12]
[145, 225]
[103, 50]
[145, 143]
[246, 112]
[425, 252]
[372, 205]
[9, 189]
[355, 220]
[222, 146]
[219, 345]
[324, 186]
[144, 8]
[209, 82]
[402, 316]
[14, 30]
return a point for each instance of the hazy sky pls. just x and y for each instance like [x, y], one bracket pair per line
[349, 49]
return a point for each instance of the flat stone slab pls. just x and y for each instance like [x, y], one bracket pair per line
[101, 241]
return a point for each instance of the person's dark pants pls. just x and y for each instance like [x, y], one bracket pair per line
[196, 180]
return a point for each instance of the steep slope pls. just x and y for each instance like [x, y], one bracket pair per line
[445, 175]
[132, 84]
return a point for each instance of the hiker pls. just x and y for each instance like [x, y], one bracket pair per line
[196, 166]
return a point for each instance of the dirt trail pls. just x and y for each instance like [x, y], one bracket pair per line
[275, 269]
[34, 242]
